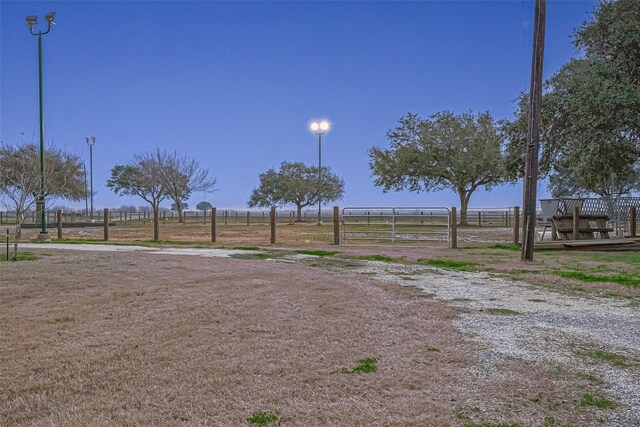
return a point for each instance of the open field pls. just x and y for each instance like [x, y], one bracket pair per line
[295, 234]
[191, 336]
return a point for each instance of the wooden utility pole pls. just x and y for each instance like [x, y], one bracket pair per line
[533, 137]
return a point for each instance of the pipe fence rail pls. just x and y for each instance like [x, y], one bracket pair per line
[396, 224]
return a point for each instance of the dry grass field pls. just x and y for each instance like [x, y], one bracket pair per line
[143, 338]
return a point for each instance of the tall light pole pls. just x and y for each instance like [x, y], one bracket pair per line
[320, 128]
[90, 142]
[31, 21]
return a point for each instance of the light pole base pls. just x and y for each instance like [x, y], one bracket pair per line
[44, 237]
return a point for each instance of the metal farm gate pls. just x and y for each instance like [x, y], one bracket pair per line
[402, 224]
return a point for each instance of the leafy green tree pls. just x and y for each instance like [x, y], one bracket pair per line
[183, 206]
[590, 110]
[446, 151]
[204, 206]
[20, 179]
[296, 183]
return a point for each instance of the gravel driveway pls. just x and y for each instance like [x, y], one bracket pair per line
[516, 319]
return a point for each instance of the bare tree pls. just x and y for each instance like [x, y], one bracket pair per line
[20, 179]
[141, 178]
[181, 176]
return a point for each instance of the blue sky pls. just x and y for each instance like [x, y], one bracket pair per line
[236, 84]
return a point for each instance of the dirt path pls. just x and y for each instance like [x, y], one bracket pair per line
[124, 335]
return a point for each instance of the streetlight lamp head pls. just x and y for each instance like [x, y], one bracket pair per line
[49, 18]
[315, 126]
[324, 125]
[31, 20]
[93, 139]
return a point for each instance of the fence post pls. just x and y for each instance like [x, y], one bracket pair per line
[248, 217]
[516, 225]
[106, 224]
[576, 222]
[453, 222]
[226, 216]
[59, 223]
[272, 221]
[633, 221]
[156, 224]
[213, 225]
[479, 219]
[336, 225]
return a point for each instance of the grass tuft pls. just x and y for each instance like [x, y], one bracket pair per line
[537, 300]
[262, 418]
[502, 311]
[364, 366]
[378, 257]
[20, 256]
[610, 358]
[247, 248]
[505, 247]
[444, 263]
[317, 253]
[589, 400]
[621, 279]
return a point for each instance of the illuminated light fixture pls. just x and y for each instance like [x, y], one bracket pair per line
[49, 18]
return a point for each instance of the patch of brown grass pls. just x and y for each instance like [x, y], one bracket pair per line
[160, 340]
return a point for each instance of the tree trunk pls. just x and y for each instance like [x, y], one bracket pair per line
[156, 226]
[299, 213]
[17, 235]
[464, 204]
[180, 219]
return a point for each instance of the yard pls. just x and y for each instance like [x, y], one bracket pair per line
[104, 335]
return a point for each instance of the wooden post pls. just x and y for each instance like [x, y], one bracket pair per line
[336, 225]
[106, 224]
[248, 217]
[156, 224]
[516, 225]
[554, 231]
[530, 181]
[576, 222]
[479, 219]
[7, 244]
[453, 223]
[59, 223]
[272, 220]
[226, 216]
[633, 221]
[213, 225]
